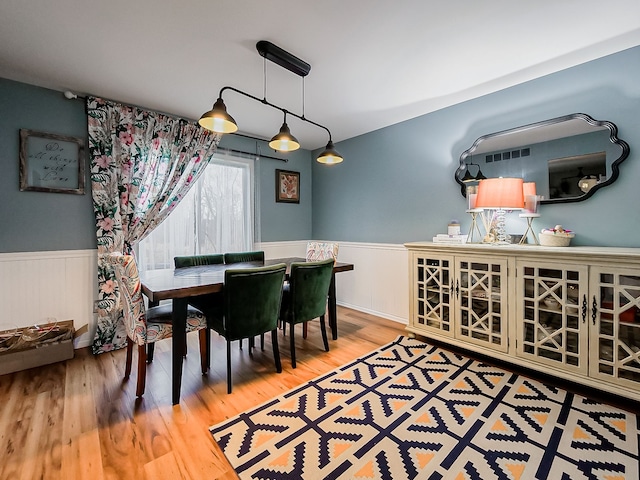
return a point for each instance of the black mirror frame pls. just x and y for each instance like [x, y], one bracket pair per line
[613, 137]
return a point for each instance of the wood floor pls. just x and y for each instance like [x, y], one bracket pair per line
[79, 420]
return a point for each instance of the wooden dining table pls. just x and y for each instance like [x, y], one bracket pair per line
[179, 284]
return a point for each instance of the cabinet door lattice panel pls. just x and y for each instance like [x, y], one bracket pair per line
[553, 309]
[481, 288]
[616, 316]
[433, 295]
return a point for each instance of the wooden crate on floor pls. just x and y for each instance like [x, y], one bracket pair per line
[30, 347]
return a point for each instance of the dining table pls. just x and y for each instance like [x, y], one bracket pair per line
[179, 284]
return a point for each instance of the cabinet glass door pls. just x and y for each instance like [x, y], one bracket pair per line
[433, 277]
[615, 317]
[552, 315]
[481, 293]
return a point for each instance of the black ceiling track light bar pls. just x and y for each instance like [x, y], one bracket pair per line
[283, 58]
[218, 120]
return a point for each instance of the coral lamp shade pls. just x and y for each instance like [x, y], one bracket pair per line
[529, 188]
[501, 193]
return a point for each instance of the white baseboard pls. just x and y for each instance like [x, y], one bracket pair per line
[403, 321]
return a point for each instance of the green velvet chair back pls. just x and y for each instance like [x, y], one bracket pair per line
[309, 287]
[239, 257]
[195, 260]
[252, 299]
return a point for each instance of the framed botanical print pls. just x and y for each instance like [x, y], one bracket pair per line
[51, 163]
[287, 186]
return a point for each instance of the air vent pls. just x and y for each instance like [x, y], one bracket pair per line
[498, 157]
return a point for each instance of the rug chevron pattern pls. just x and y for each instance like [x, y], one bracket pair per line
[414, 411]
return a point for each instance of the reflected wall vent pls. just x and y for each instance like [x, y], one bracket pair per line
[499, 157]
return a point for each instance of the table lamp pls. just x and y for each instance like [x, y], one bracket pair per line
[500, 194]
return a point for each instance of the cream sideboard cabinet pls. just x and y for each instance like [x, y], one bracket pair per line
[573, 312]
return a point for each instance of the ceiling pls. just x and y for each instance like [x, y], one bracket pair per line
[373, 63]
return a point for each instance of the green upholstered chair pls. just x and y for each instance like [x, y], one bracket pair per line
[144, 326]
[195, 260]
[305, 297]
[251, 305]
[238, 257]
[209, 303]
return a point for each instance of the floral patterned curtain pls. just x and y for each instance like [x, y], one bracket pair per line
[142, 164]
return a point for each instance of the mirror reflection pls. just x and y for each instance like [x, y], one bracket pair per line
[568, 157]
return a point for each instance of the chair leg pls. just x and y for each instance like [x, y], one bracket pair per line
[304, 330]
[208, 340]
[127, 365]
[142, 370]
[229, 365]
[324, 334]
[262, 341]
[204, 349]
[276, 350]
[292, 345]
[150, 350]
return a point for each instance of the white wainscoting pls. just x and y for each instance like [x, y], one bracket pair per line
[378, 284]
[37, 286]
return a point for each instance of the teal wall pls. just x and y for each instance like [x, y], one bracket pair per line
[39, 221]
[397, 184]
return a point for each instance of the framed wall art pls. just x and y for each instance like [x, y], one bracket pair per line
[51, 163]
[287, 186]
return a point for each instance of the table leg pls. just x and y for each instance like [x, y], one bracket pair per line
[333, 316]
[179, 344]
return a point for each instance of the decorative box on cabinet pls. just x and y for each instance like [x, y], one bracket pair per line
[573, 312]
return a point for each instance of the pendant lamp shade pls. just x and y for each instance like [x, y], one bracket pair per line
[501, 193]
[468, 178]
[284, 141]
[218, 120]
[330, 156]
[529, 188]
[480, 175]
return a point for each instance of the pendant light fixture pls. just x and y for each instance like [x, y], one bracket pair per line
[284, 141]
[468, 178]
[218, 120]
[330, 156]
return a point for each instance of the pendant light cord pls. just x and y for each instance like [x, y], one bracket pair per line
[264, 77]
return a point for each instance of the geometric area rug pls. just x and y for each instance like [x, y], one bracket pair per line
[410, 410]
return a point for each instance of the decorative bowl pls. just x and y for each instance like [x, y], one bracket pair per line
[555, 239]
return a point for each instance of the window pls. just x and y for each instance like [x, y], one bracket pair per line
[215, 216]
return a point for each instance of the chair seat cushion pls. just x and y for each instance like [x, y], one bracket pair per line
[159, 322]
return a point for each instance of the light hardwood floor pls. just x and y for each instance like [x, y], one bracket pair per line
[79, 420]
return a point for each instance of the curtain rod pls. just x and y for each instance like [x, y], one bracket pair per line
[255, 156]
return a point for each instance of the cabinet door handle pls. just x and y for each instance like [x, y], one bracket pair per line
[584, 308]
[594, 310]
[457, 288]
[451, 287]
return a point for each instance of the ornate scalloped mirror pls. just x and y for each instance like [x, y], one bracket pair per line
[569, 158]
